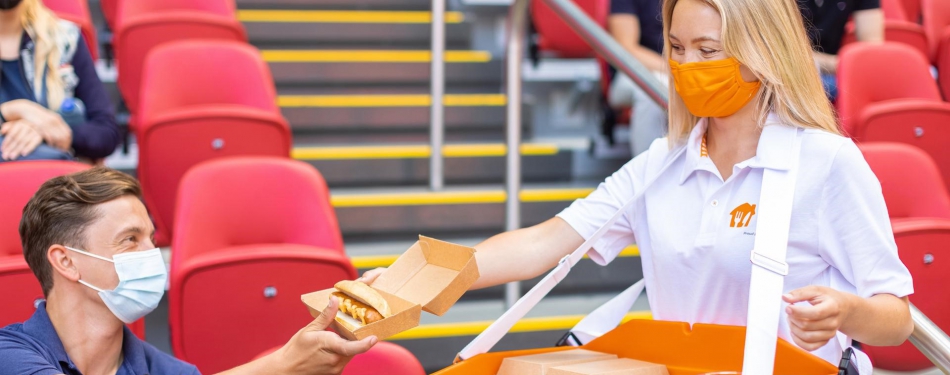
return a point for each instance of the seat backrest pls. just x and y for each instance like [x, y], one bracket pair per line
[109, 10]
[910, 180]
[554, 35]
[871, 73]
[936, 18]
[133, 8]
[911, 10]
[217, 72]
[385, 358]
[921, 245]
[21, 180]
[894, 10]
[221, 103]
[943, 65]
[77, 11]
[143, 25]
[253, 200]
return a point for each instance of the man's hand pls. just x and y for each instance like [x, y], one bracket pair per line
[50, 125]
[19, 139]
[815, 324]
[313, 350]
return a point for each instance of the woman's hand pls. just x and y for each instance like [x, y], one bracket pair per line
[50, 125]
[815, 324]
[19, 139]
[371, 275]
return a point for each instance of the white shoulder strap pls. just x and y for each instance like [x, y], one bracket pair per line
[769, 266]
[491, 335]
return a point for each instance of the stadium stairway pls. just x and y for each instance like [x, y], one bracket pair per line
[352, 78]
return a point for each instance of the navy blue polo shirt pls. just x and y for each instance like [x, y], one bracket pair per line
[34, 348]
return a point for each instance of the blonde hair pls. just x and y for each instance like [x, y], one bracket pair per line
[768, 37]
[43, 27]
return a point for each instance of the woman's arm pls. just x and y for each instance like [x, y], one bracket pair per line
[880, 320]
[517, 255]
[524, 253]
[99, 135]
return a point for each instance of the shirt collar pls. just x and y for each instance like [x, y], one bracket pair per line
[775, 146]
[40, 327]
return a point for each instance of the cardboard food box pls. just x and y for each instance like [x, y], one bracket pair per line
[539, 364]
[432, 275]
[620, 366]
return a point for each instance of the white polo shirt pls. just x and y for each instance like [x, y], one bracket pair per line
[695, 231]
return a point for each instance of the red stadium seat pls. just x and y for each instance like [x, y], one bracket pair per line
[874, 73]
[911, 10]
[77, 11]
[936, 19]
[912, 185]
[924, 124]
[141, 25]
[557, 37]
[943, 65]
[221, 103]
[252, 235]
[897, 31]
[109, 10]
[20, 288]
[894, 10]
[383, 358]
[921, 244]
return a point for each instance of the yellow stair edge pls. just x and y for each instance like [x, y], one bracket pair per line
[386, 56]
[555, 323]
[407, 100]
[375, 261]
[344, 16]
[417, 151]
[423, 198]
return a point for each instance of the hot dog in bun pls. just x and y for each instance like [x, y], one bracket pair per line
[359, 304]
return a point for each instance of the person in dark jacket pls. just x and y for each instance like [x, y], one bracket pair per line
[53, 104]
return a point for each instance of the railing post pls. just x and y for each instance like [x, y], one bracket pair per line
[517, 17]
[437, 88]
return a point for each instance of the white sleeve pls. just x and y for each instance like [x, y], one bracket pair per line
[588, 214]
[854, 234]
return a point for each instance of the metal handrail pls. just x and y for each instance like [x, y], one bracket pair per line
[437, 88]
[927, 337]
[930, 340]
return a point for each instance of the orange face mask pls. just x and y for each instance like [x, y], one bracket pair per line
[712, 88]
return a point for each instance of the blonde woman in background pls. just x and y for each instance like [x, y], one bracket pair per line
[52, 103]
[744, 87]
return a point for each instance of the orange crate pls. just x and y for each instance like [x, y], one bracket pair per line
[705, 348]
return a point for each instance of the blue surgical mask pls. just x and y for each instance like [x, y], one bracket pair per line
[142, 277]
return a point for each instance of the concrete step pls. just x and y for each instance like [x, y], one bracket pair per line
[335, 67]
[268, 28]
[390, 112]
[372, 213]
[335, 4]
[395, 165]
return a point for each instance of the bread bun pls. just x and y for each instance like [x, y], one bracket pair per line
[366, 295]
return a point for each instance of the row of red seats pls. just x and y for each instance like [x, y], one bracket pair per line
[253, 234]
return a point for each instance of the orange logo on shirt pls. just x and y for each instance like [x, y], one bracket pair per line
[742, 215]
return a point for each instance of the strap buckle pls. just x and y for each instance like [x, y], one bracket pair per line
[778, 267]
[569, 339]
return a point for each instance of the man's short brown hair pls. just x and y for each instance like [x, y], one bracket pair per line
[62, 209]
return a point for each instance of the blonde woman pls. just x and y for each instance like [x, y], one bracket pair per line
[52, 103]
[744, 88]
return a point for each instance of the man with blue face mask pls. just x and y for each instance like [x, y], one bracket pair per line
[87, 238]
